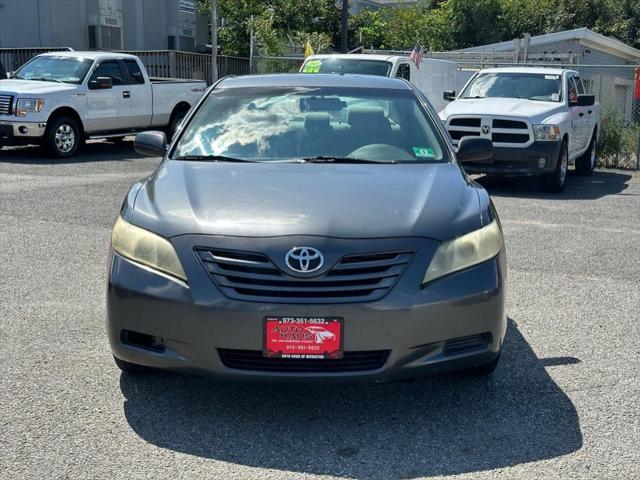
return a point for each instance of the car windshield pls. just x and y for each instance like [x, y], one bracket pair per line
[532, 86]
[347, 65]
[311, 124]
[55, 69]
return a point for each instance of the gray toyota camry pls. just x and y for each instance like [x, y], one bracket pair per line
[308, 227]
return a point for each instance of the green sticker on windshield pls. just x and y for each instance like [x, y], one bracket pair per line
[423, 152]
[312, 66]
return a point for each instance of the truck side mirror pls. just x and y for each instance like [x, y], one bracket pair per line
[101, 83]
[584, 101]
[449, 95]
[151, 144]
[474, 149]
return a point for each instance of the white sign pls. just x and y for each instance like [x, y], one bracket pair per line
[188, 6]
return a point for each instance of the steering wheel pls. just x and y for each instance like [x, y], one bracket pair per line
[380, 151]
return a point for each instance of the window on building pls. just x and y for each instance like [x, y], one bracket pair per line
[110, 38]
[110, 68]
[404, 71]
[134, 72]
[171, 42]
[93, 39]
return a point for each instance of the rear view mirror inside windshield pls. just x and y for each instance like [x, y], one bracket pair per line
[322, 104]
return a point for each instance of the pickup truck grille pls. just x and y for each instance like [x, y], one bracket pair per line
[503, 132]
[254, 277]
[6, 104]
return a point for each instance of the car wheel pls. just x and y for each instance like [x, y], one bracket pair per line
[174, 123]
[62, 137]
[555, 182]
[586, 163]
[130, 368]
[485, 368]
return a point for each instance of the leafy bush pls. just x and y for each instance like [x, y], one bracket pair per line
[618, 143]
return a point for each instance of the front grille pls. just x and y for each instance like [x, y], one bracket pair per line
[350, 362]
[510, 137]
[465, 122]
[6, 104]
[254, 277]
[456, 346]
[499, 123]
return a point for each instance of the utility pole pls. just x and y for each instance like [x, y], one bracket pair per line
[344, 45]
[252, 46]
[214, 41]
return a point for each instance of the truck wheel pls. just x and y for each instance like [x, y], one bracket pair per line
[174, 123]
[62, 137]
[587, 161]
[554, 182]
[130, 368]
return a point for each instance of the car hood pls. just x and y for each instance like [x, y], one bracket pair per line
[348, 201]
[22, 87]
[516, 107]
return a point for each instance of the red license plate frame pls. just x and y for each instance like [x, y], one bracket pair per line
[303, 338]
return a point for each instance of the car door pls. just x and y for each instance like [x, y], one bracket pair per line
[587, 116]
[575, 118]
[139, 96]
[108, 109]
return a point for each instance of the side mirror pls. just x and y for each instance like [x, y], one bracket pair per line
[584, 101]
[474, 149]
[101, 83]
[151, 144]
[449, 95]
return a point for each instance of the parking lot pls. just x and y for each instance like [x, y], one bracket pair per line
[563, 403]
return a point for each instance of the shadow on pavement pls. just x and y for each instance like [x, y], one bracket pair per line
[441, 425]
[600, 184]
[103, 151]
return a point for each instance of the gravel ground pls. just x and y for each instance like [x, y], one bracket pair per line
[562, 404]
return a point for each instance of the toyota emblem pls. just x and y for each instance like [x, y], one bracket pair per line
[304, 259]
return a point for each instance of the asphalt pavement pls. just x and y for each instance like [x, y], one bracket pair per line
[563, 402]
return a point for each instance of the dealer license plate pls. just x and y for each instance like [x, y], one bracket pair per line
[303, 337]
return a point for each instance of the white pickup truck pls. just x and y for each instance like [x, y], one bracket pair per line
[539, 119]
[60, 99]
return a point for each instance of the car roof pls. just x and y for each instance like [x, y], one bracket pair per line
[536, 70]
[359, 56]
[88, 55]
[315, 80]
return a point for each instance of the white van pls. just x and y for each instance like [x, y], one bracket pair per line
[432, 78]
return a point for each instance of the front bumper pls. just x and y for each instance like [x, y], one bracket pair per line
[539, 158]
[196, 322]
[20, 132]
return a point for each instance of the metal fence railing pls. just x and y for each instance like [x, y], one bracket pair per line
[14, 58]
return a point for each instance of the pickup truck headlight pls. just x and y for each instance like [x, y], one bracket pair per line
[546, 133]
[146, 248]
[26, 105]
[465, 251]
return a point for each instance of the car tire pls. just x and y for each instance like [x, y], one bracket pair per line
[586, 163]
[174, 123]
[130, 368]
[62, 137]
[555, 181]
[486, 368]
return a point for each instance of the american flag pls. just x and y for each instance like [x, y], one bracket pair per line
[416, 55]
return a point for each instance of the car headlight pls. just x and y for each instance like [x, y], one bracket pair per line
[465, 251]
[26, 105]
[546, 133]
[146, 248]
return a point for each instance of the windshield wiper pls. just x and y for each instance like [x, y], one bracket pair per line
[475, 96]
[213, 158]
[331, 159]
[46, 79]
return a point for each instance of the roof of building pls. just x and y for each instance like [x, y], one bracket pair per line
[587, 37]
[315, 80]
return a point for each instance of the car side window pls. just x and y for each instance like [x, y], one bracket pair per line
[134, 72]
[573, 91]
[579, 85]
[110, 68]
[404, 71]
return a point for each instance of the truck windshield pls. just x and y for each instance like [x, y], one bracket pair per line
[347, 65]
[55, 69]
[532, 86]
[341, 125]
